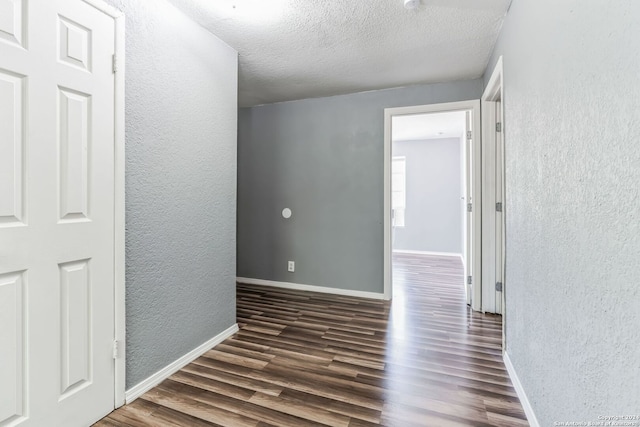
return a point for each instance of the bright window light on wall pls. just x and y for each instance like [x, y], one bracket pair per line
[398, 190]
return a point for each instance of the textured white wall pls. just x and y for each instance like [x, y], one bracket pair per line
[572, 121]
[181, 125]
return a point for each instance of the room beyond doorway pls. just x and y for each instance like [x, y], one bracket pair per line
[432, 193]
[428, 184]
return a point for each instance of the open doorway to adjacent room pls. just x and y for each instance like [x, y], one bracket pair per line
[432, 177]
[428, 203]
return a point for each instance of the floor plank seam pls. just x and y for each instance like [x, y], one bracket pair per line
[303, 358]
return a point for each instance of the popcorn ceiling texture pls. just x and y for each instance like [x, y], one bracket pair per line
[181, 114]
[572, 121]
[295, 49]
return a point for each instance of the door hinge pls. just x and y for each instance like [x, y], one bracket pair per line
[498, 127]
[469, 207]
[499, 207]
[114, 63]
[469, 134]
[469, 280]
[116, 349]
[498, 286]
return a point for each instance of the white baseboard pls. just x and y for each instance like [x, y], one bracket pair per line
[310, 288]
[528, 410]
[145, 385]
[411, 252]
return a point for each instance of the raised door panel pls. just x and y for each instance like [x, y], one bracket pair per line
[75, 326]
[13, 27]
[12, 337]
[74, 44]
[11, 148]
[74, 147]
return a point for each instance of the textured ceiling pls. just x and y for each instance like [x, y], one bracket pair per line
[294, 49]
[428, 126]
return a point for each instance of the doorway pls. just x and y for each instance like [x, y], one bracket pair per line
[428, 174]
[61, 212]
[493, 178]
[468, 114]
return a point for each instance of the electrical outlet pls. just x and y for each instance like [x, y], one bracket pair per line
[291, 266]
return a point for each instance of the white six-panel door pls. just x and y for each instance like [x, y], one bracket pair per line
[56, 213]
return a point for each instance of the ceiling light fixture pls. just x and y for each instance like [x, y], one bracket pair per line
[411, 4]
[255, 11]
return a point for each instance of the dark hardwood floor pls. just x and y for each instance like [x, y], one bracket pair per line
[303, 359]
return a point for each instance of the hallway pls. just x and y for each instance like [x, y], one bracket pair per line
[315, 359]
[452, 353]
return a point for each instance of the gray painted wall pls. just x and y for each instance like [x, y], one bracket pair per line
[434, 187]
[323, 158]
[572, 120]
[181, 89]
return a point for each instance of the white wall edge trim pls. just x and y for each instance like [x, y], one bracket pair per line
[310, 288]
[492, 301]
[494, 86]
[145, 385]
[104, 7]
[528, 410]
[119, 199]
[412, 252]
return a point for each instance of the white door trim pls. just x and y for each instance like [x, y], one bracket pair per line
[120, 285]
[474, 106]
[119, 202]
[494, 87]
[489, 136]
[493, 93]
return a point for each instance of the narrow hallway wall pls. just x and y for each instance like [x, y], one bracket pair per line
[572, 120]
[181, 120]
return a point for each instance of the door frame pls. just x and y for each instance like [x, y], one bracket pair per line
[119, 199]
[491, 115]
[474, 107]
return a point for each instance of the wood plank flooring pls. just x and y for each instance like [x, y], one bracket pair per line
[308, 359]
